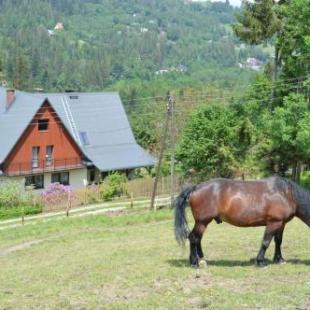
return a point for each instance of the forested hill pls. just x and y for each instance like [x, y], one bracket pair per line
[105, 41]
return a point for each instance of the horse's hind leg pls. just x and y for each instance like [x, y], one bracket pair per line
[195, 237]
[270, 232]
[278, 259]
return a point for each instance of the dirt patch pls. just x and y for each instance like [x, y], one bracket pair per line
[114, 294]
[23, 246]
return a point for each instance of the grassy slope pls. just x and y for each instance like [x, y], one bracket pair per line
[121, 262]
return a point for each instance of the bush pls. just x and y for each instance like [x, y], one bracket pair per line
[55, 194]
[9, 213]
[11, 195]
[14, 201]
[113, 185]
[305, 179]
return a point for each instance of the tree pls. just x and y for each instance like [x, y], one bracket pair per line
[288, 129]
[295, 41]
[208, 143]
[259, 22]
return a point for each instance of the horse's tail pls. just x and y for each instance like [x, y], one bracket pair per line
[180, 223]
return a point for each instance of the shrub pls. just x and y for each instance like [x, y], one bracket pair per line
[11, 195]
[113, 185]
[14, 201]
[8, 213]
[305, 179]
[55, 194]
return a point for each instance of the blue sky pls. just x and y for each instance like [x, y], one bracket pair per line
[235, 2]
[232, 2]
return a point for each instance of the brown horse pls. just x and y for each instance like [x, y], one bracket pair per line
[270, 202]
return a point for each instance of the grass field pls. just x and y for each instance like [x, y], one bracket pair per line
[132, 261]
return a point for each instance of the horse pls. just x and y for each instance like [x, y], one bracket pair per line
[270, 202]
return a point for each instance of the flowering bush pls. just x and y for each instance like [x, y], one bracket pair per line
[55, 194]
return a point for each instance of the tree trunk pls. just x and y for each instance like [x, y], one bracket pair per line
[276, 65]
[298, 173]
[294, 171]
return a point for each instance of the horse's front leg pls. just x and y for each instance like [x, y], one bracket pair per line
[271, 230]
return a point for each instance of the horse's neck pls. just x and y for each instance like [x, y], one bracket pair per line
[303, 208]
[304, 215]
[302, 198]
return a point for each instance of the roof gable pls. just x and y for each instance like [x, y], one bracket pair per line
[15, 120]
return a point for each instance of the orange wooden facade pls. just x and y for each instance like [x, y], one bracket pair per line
[65, 155]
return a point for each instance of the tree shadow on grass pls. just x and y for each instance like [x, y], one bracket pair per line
[180, 263]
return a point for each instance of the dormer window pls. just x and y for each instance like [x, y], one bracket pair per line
[43, 124]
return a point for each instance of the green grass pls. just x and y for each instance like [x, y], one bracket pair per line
[133, 262]
[15, 212]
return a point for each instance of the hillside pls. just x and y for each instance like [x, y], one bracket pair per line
[101, 42]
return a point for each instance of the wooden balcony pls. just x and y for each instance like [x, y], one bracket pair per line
[42, 166]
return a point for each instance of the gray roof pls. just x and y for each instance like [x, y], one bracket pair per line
[111, 143]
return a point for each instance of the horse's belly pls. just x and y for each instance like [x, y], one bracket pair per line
[244, 221]
[243, 216]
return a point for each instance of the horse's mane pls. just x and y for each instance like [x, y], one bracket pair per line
[301, 195]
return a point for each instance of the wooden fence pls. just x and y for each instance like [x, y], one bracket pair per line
[142, 188]
[134, 190]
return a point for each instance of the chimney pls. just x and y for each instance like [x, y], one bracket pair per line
[10, 96]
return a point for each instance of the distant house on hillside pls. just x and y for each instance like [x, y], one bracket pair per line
[162, 71]
[70, 138]
[50, 32]
[181, 68]
[59, 26]
[253, 63]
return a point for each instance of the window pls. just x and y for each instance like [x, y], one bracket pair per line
[61, 177]
[37, 181]
[49, 155]
[43, 124]
[74, 97]
[84, 138]
[35, 157]
[92, 175]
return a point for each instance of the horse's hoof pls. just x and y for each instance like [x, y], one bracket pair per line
[279, 261]
[261, 264]
[202, 263]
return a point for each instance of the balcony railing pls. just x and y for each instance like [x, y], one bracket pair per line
[41, 166]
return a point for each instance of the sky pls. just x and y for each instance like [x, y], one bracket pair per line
[235, 2]
[232, 2]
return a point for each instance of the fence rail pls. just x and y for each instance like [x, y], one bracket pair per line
[41, 166]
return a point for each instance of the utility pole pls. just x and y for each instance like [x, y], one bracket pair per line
[162, 148]
[172, 146]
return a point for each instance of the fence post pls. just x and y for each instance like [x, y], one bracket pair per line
[131, 200]
[23, 215]
[68, 203]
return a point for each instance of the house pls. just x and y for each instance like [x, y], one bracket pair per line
[253, 63]
[70, 138]
[59, 26]
[162, 71]
[50, 32]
